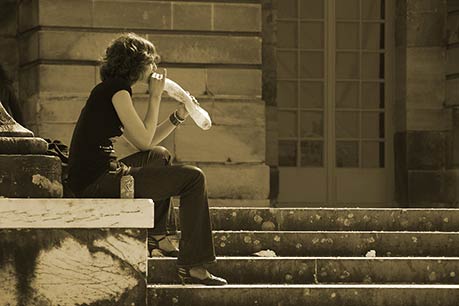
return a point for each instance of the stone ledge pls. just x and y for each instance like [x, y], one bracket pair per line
[76, 213]
[318, 295]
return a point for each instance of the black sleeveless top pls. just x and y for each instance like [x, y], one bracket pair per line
[91, 149]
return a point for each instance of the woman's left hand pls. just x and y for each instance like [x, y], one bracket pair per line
[182, 112]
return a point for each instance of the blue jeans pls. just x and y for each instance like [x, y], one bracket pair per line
[156, 178]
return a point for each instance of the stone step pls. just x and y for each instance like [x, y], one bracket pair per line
[341, 243]
[318, 295]
[310, 270]
[334, 219]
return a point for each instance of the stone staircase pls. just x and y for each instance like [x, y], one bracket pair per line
[321, 259]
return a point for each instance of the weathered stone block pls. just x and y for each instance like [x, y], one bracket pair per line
[23, 176]
[66, 79]
[28, 15]
[429, 187]
[452, 92]
[237, 17]
[208, 49]
[426, 29]
[73, 267]
[455, 139]
[453, 5]
[426, 150]
[231, 144]
[192, 16]
[76, 13]
[428, 120]
[425, 85]
[60, 109]
[452, 28]
[132, 14]
[452, 64]
[23, 145]
[29, 47]
[9, 55]
[8, 14]
[28, 82]
[191, 79]
[224, 112]
[73, 45]
[65, 45]
[240, 82]
[237, 181]
[433, 6]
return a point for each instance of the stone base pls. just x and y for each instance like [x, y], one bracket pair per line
[73, 267]
[23, 145]
[30, 176]
[424, 171]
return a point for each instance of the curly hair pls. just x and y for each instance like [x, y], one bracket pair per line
[126, 57]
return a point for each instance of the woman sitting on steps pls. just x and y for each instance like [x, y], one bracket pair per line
[94, 170]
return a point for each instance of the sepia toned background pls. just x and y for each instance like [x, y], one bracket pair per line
[314, 102]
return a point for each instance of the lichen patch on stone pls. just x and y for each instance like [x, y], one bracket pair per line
[54, 187]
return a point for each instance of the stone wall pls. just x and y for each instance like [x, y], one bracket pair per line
[423, 163]
[212, 48]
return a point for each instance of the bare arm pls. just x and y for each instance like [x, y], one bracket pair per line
[139, 133]
[166, 127]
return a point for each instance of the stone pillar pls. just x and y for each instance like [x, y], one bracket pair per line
[269, 93]
[422, 144]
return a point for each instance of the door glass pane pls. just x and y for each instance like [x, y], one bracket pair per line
[372, 125]
[287, 64]
[347, 94]
[287, 36]
[313, 9]
[287, 153]
[312, 153]
[287, 124]
[347, 125]
[347, 65]
[287, 9]
[312, 64]
[287, 93]
[373, 66]
[372, 9]
[312, 124]
[373, 36]
[347, 9]
[311, 35]
[347, 154]
[347, 35]
[312, 95]
[372, 154]
[372, 95]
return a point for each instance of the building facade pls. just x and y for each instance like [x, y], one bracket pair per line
[314, 102]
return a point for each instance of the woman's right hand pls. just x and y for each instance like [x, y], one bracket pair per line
[156, 82]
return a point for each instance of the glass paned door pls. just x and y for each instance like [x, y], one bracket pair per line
[333, 91]
[301, 88]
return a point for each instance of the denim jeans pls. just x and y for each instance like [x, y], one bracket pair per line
[157, 179]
